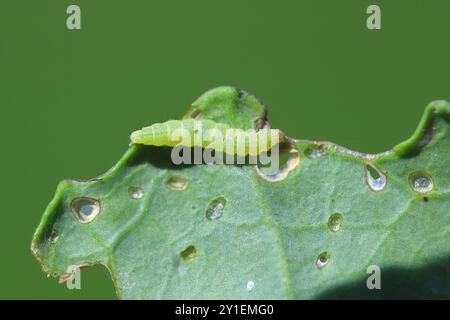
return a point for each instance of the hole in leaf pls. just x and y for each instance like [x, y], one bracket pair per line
[287, 162]
[375, 178]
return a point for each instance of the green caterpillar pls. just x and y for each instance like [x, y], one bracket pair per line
[208, 134]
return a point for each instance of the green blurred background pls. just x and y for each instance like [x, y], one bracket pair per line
[69, 99]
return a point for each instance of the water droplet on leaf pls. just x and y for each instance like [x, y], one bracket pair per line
[85, 209]
[322, 260]
[334, 222]
[135, 192]
[189, 254]
[215, 208]
[177, 183]
[421, 182]
[375, 178]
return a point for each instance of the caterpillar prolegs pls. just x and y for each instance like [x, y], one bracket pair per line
[208, 134]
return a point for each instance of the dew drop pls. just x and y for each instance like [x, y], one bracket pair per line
[322, 260]
[177, 183]
[421, 182]
[215, 208]
[85, 209]
[250, 285]
[189, 254]
[136, 192]
[375, 178]
[334, 222]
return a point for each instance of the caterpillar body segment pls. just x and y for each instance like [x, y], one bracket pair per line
[208, 134]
